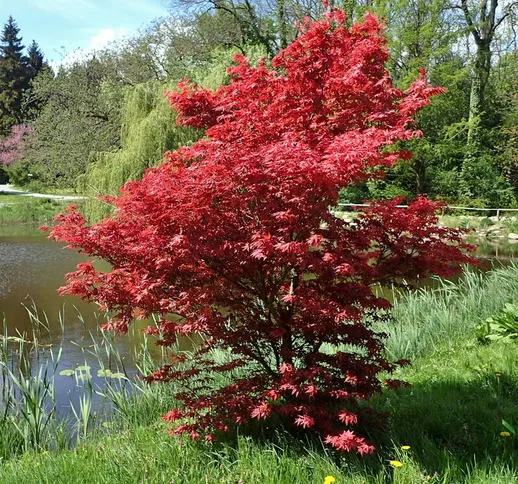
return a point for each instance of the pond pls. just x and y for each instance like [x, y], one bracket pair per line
[32, 269]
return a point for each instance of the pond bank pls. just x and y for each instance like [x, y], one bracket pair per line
[450, 418]
[484, 227]
[21, 207]
[29, 210]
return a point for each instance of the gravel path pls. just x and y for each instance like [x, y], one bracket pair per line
[9, 190]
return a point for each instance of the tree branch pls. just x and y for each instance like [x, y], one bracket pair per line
[469, 19]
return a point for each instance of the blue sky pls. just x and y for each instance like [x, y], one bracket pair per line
[63, 26]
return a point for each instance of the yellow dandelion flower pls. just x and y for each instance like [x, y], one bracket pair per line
[405, 447]
[329, 480]
[395, 463]
[505, 434]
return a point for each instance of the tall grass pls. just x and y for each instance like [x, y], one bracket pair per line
[450, 417]
[426, 320]
[28, 372]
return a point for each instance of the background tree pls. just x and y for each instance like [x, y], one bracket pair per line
[80, 115]
[201, 38]
[35, 59]
[483, 19]
[12, 149]
[13, 76]
[270, 24]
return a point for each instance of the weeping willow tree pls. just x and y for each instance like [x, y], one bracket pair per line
[148, 131]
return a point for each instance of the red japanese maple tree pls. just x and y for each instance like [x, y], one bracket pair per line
[234, 237]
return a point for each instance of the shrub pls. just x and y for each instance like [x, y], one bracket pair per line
[233, 237]
[486, 222]
[11, 148]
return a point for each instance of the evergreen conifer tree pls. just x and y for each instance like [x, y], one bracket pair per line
[14, 78]
[34, 59]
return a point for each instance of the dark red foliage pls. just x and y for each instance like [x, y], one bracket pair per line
[233, 235]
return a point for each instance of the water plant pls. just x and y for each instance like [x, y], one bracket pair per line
[32, 396]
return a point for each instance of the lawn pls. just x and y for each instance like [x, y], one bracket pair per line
[446, 428]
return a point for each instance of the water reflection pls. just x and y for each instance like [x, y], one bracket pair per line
[32, 268]
[501, 250]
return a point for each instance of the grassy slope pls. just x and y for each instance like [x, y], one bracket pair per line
[451, 418]
[15, 209]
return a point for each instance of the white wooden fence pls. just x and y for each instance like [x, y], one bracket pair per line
[453, 207]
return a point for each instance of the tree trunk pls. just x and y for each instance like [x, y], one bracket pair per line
[420, 176]
[481, 70]
[281, 19]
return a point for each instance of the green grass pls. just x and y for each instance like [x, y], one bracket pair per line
[427, 321]
[451, 417]
[12, 198]
[15, 209]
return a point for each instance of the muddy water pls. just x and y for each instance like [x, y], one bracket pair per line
[32, 268]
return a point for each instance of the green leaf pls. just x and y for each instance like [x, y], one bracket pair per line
[107, 373]
[83, 368]
[509, 427]
[120, 376]
[67, 372]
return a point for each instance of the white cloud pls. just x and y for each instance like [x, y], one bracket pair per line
[104, 37]
[98, 42]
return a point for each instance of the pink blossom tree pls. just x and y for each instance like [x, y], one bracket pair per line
[11, 148]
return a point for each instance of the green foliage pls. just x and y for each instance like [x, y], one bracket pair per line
[30, 210]
[148, 131]
[482, 185]
[486, 222]
[213, 73]
[80, 116]
[501, 326]
[13, 76]
[16, 73]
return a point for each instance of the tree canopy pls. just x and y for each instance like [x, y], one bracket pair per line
[16, 73]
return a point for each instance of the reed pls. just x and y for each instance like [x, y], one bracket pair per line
[451, 417]
[426, 320]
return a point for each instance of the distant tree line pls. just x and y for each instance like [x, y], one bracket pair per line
[85, 118]
[18, 68]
